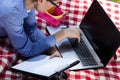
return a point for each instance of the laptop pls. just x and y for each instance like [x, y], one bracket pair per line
[99, 40]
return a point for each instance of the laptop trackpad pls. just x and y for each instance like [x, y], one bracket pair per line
[66, 49]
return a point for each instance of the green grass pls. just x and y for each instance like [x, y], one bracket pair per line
[118, 1]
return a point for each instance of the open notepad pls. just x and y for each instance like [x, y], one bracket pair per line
[44, 66]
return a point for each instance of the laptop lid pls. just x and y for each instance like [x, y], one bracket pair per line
[101, 32]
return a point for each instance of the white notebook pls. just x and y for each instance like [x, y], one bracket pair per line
[44, 66]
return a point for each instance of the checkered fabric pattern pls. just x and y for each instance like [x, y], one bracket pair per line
[76, 10]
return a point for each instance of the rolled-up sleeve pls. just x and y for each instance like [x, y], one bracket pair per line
[30, 25]
[13, 25]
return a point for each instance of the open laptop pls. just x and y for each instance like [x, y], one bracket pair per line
[100, 36]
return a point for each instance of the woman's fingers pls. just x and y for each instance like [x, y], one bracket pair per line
[74, 33]
[56, 54]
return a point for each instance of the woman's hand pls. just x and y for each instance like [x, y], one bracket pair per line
[68, 33]
[53, 52]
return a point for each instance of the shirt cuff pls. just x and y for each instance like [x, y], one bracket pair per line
[51, 40]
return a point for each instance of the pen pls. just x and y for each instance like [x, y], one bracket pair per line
[53, 3]
[73, 64]
[67, 66]
[64, 27]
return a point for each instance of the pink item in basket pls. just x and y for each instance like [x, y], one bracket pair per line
[53, 16]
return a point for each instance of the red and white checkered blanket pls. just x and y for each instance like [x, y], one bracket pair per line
[76, 11]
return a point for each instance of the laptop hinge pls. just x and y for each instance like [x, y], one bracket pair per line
[115, 56]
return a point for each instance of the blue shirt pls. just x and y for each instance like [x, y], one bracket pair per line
[21, 28]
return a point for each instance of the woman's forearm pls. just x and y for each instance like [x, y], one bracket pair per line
[60, 35]
[67, 33]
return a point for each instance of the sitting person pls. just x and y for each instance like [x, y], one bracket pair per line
[18, 23]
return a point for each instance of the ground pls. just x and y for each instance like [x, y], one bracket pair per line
[118, 1]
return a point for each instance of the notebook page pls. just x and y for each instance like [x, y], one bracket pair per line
[42, 65]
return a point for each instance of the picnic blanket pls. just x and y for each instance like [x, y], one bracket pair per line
[76, 10]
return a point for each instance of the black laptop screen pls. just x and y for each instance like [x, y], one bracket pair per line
[101, 32]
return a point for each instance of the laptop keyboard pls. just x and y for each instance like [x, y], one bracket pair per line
[83, 52]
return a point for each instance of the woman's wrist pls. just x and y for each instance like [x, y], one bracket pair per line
[60, 35]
